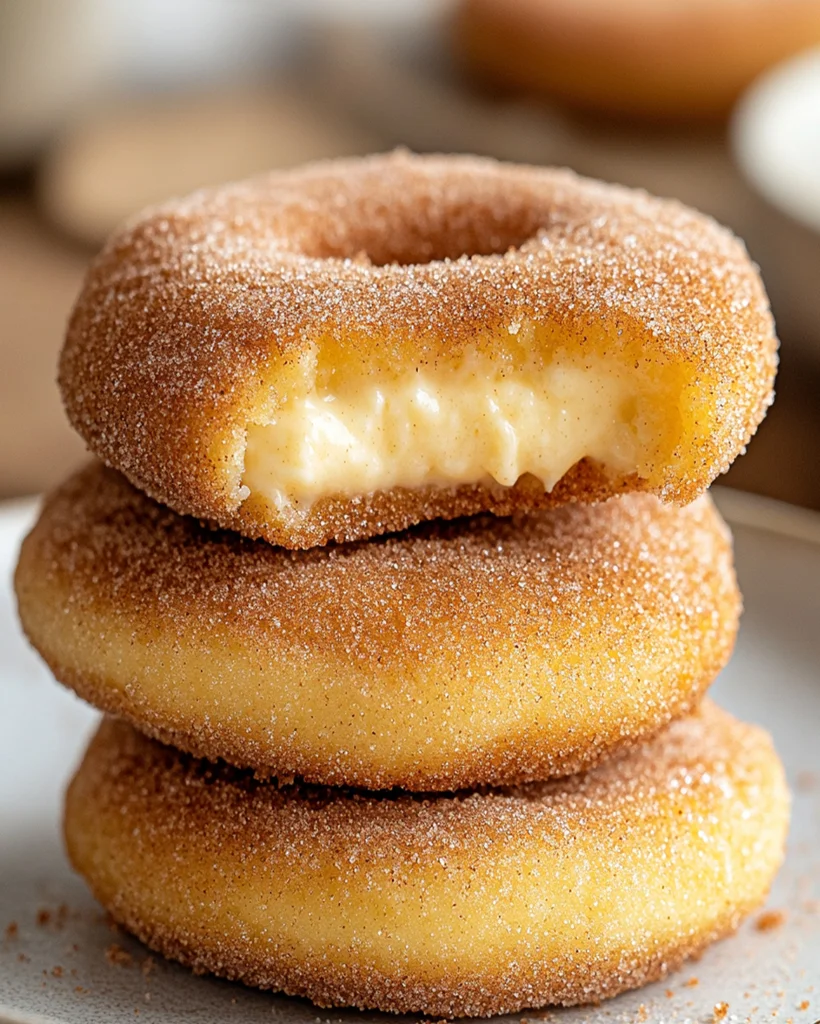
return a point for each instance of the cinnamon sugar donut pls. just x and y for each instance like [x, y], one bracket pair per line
[347, 349]
[486, 651]
[676, 59]
[460, 904]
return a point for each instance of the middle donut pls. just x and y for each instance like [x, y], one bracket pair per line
[483, 651]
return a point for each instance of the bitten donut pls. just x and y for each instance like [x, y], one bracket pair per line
[676, 59]
[479, 651]
[347, 349]
[461, 904]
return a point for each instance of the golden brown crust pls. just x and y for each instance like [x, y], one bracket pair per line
[673, 60]
[463, 904]
[485, 651]
[190, 316]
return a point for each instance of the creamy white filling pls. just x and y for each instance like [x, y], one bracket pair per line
[457, 425]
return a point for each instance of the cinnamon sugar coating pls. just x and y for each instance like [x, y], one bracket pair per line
[462, 904]
[482, 651]
[196, 319]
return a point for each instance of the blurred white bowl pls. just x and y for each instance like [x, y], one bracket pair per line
[776, 142]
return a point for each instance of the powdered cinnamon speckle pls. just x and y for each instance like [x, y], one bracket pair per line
[364, 663]
[148, 812]
[191, 315]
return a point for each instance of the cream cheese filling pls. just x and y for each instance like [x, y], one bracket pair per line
[464, 424]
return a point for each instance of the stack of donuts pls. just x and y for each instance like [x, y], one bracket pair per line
[397, 583]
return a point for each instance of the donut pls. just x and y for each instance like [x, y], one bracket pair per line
[465, 904]
[674, 61]
[116, 159]
[485, 651]
[347, 349]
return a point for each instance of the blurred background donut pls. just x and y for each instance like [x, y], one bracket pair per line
[677, 59]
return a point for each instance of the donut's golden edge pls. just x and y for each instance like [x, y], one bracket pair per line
[194, 316]
[486, 653]
[628, 59]
[455, 905]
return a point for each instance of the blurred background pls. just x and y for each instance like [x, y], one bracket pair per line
[108, 105]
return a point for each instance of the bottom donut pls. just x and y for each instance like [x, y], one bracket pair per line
[472, 903]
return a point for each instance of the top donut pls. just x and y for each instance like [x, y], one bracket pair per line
[346, 349]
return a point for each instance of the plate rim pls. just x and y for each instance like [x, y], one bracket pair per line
[760, 512]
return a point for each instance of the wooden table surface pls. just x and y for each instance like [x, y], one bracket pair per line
[40, 273]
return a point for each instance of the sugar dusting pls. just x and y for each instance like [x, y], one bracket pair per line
[185, 313]
[143, 818]
[616, 616]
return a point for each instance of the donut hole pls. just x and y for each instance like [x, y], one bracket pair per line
[448, 243]
[424, 229]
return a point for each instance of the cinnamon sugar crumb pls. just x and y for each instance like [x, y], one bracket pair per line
[117, 956]
[720, 1011]
[691, 983]
[56, 972]
[57, 917]
[804, 1005]
[12, 930]
[769, 920]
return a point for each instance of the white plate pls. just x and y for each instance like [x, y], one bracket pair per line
[57, 970]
